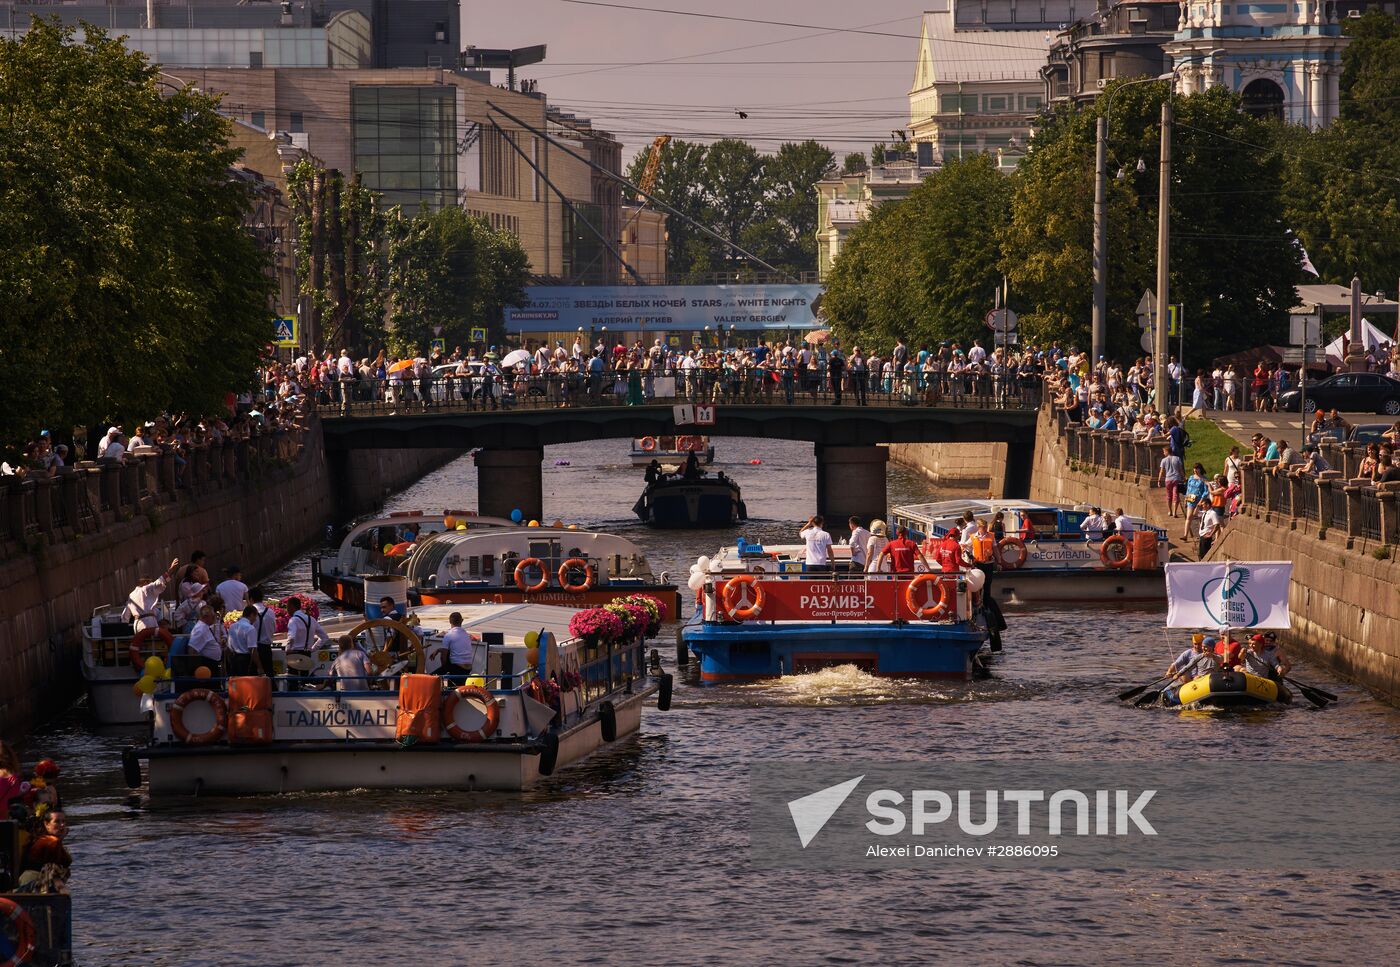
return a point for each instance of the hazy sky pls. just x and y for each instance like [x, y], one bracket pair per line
[846, 90]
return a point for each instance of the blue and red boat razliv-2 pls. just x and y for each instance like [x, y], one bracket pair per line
[753, 626]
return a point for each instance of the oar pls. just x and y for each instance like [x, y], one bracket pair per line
[1316, 698]
[1325, 694]
[1134, 692]
[1148, 697]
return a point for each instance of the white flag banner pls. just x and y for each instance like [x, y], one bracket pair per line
[1233, 594]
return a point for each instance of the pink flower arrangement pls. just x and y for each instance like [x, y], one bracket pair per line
[655, 608]
[634, 617]
[596, 625]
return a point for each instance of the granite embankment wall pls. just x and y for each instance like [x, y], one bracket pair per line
[73, 543]
[1345, 593]
[973, 469]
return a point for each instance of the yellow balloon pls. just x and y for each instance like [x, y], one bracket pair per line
[461, 527]
[533, 523]
[532, 638]
[146, 685]
[388, 548]
[167, 675]
[154, 667]
[477, 680]
[573, 527]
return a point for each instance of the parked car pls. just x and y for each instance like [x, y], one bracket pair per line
[1349, 392]
[1368, 433]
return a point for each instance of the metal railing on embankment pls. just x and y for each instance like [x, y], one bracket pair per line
[91, 496]
[778, 388]
[1336, 502]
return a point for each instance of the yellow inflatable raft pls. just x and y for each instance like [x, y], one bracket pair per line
[1232, 690]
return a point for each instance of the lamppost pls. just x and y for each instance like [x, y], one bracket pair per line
[706, 341]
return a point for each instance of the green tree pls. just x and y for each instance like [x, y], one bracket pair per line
[1341, 187]
[735, 193]
[854, 163]
[450, 271]
[680, 183]
[925, 267]
[1233, 264]
[787, 237]
[128, 282]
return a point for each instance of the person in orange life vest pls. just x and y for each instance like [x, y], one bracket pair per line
[902, 553]
[984, 547]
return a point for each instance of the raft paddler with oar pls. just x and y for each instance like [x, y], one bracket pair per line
[1200, 660]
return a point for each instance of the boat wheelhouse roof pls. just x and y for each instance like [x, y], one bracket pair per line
[940, 509]
[511, 620]
[442, 554]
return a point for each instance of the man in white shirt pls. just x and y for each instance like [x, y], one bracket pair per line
[460, 650]
[243, 642]
[1126, 526]
[351, 667]
[860, 539]
[204, 645]
[976, 354]
[818, 544]
[232, 589]
[141, 602]
[1093, 526]
[303, 631]
[116, 450]
[266, 624]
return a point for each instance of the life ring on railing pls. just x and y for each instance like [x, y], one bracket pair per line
[520, 569]
[589, 575]
[24, 932]
[928, 611]
[733, 601]
[212, 734]
[134, 650]
[648, 443]
[490, 710]
[1119, 541]
[1020, 547]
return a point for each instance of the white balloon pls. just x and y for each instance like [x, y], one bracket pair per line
[695, 569]
[975, 579]
[696, 582]
[703, 562]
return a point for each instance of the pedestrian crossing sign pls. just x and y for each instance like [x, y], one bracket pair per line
[478, 333]
[1174, 320]
[285, 333]
[439, 345]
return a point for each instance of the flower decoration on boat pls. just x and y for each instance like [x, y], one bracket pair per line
[283, 615]
[230, 617]
[570, 679]
[655, 607]
[634, 617]
[596, 625]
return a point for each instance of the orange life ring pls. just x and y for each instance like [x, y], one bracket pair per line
[212, 734]
[589, 575]
[932, 611]
[1020, 547]
[449, 709]
[520, 569]
[1116, 540]
[134, 649]
[730, 593]
[24, 932]
[648, 443]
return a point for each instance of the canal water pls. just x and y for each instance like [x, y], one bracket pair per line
[639, 854]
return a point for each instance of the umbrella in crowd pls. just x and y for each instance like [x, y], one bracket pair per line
[817, 336]
[402, 364]
[515, 358]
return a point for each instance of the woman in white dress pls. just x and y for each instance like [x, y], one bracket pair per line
[875, 545]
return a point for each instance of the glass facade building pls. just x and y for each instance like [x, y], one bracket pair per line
[405, 144]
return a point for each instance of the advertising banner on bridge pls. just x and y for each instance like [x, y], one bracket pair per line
[635, 308]
[1228, 594]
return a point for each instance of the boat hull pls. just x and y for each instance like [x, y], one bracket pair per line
[1231, 690]
[112, 701]
[335, 767]
[1066, 586]
[690, 504]
[729, 653]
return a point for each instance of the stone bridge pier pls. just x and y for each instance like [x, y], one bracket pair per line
[508, 480]
[850, 483]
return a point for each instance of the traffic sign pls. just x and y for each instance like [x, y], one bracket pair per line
[1002, 320]
[284, 333]
[1174, 320]
[1146, 308]
[1294, 357]
[1000, 338]
[1305, 329]
[438, 345]
[1147, 341]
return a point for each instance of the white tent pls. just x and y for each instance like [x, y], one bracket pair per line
[1371, 337]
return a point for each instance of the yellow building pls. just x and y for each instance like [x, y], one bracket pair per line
[643, 243]
[845, 201]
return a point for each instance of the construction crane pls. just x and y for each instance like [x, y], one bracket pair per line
[653, 168]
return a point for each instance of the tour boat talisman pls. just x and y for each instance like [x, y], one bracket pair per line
[671, 449]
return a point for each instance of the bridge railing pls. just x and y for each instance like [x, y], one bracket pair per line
[361, 397]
